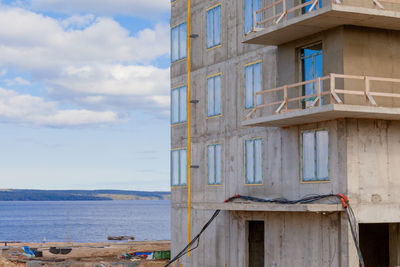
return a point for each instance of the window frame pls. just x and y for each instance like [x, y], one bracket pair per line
[214, 44]
[259, 98]
[179, 26]
[252, 14]
[302, 71]
[180, 121]
[254, 155]
[215, 165]
[213, 76]
[316, 179]
[180, 184]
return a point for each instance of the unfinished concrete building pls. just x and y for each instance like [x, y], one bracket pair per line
[288, 98]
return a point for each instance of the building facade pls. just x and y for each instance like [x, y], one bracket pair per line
[288, 98]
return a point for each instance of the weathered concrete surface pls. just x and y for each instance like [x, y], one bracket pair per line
[351, 12]
[363, 153]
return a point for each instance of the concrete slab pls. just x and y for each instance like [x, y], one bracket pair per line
[323, 19]
[251, 206]
[325, 113]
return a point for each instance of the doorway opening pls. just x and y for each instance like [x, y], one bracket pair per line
[374, 244]
[256, 243]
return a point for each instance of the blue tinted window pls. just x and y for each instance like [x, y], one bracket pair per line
[312, 68]
[214, 93]
[315, 155]
[254, 161]
[179, 167]
[214, 26]
[214, 164]
[178, 42]
[250, 6]
[252, 84]
[178, 105]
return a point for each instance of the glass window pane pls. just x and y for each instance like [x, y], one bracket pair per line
[249, 161]
[211, 164]
[175, 106]
[258, 81]
[308, 156]
[210, 28]
[248, 86]
[248, 15]
[217, 95]
[174, 44]
[182, 41]
[258, 161]
[183, 167]
[218, 164]
[183, 104]
[210, 97]
[323, 155]
[175, 168]
[217, 25]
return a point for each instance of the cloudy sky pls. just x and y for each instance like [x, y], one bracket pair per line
[84, 94]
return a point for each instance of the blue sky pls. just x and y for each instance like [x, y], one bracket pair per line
[84, 94]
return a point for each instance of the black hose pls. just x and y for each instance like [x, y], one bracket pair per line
[195, 239]
[307, 199]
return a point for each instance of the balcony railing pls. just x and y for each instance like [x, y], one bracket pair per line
[278, 11]
[368, 87]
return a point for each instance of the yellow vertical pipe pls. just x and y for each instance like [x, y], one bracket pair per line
[189, 145]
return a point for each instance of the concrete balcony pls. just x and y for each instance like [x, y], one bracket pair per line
[359, 97]
[282, 21]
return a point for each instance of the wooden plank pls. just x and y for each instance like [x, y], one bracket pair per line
[269, 6]
[349, 92]
[302, 97]
[371, 99]
[380, 79]
[280, 107]
[376, 2]
[384, 94]
[269, 104]
[270, 90]
[336, 97]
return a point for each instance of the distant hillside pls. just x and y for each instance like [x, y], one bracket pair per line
[58, 195]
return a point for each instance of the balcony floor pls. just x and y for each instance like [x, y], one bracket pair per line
[251, 206]
[325, 18]
[325, 113]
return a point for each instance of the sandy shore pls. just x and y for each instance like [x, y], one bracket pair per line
[82, 254]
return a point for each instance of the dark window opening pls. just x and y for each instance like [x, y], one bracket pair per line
[374, 244]
[256, 243]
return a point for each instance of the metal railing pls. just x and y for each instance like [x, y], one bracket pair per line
[316, 98]
[260, 17]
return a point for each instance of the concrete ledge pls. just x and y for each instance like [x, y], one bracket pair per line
[377, 213]
[323, 19]
[251, 206]
[325, 113]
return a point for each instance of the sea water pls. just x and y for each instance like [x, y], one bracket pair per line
[84, 221]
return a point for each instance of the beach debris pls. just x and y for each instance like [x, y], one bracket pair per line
[5, 263]
[63, 251]
[121, 237]
[147, 255]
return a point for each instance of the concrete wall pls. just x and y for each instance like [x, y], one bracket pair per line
[372, 52]
[359, 149]
[373, 178]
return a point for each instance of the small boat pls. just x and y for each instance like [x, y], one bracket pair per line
[121, 237]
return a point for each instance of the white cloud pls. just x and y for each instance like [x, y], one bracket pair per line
[77, 21]
[105, 7]
[32, 110]
[17, 81]
[92, 62]
[34, 41]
